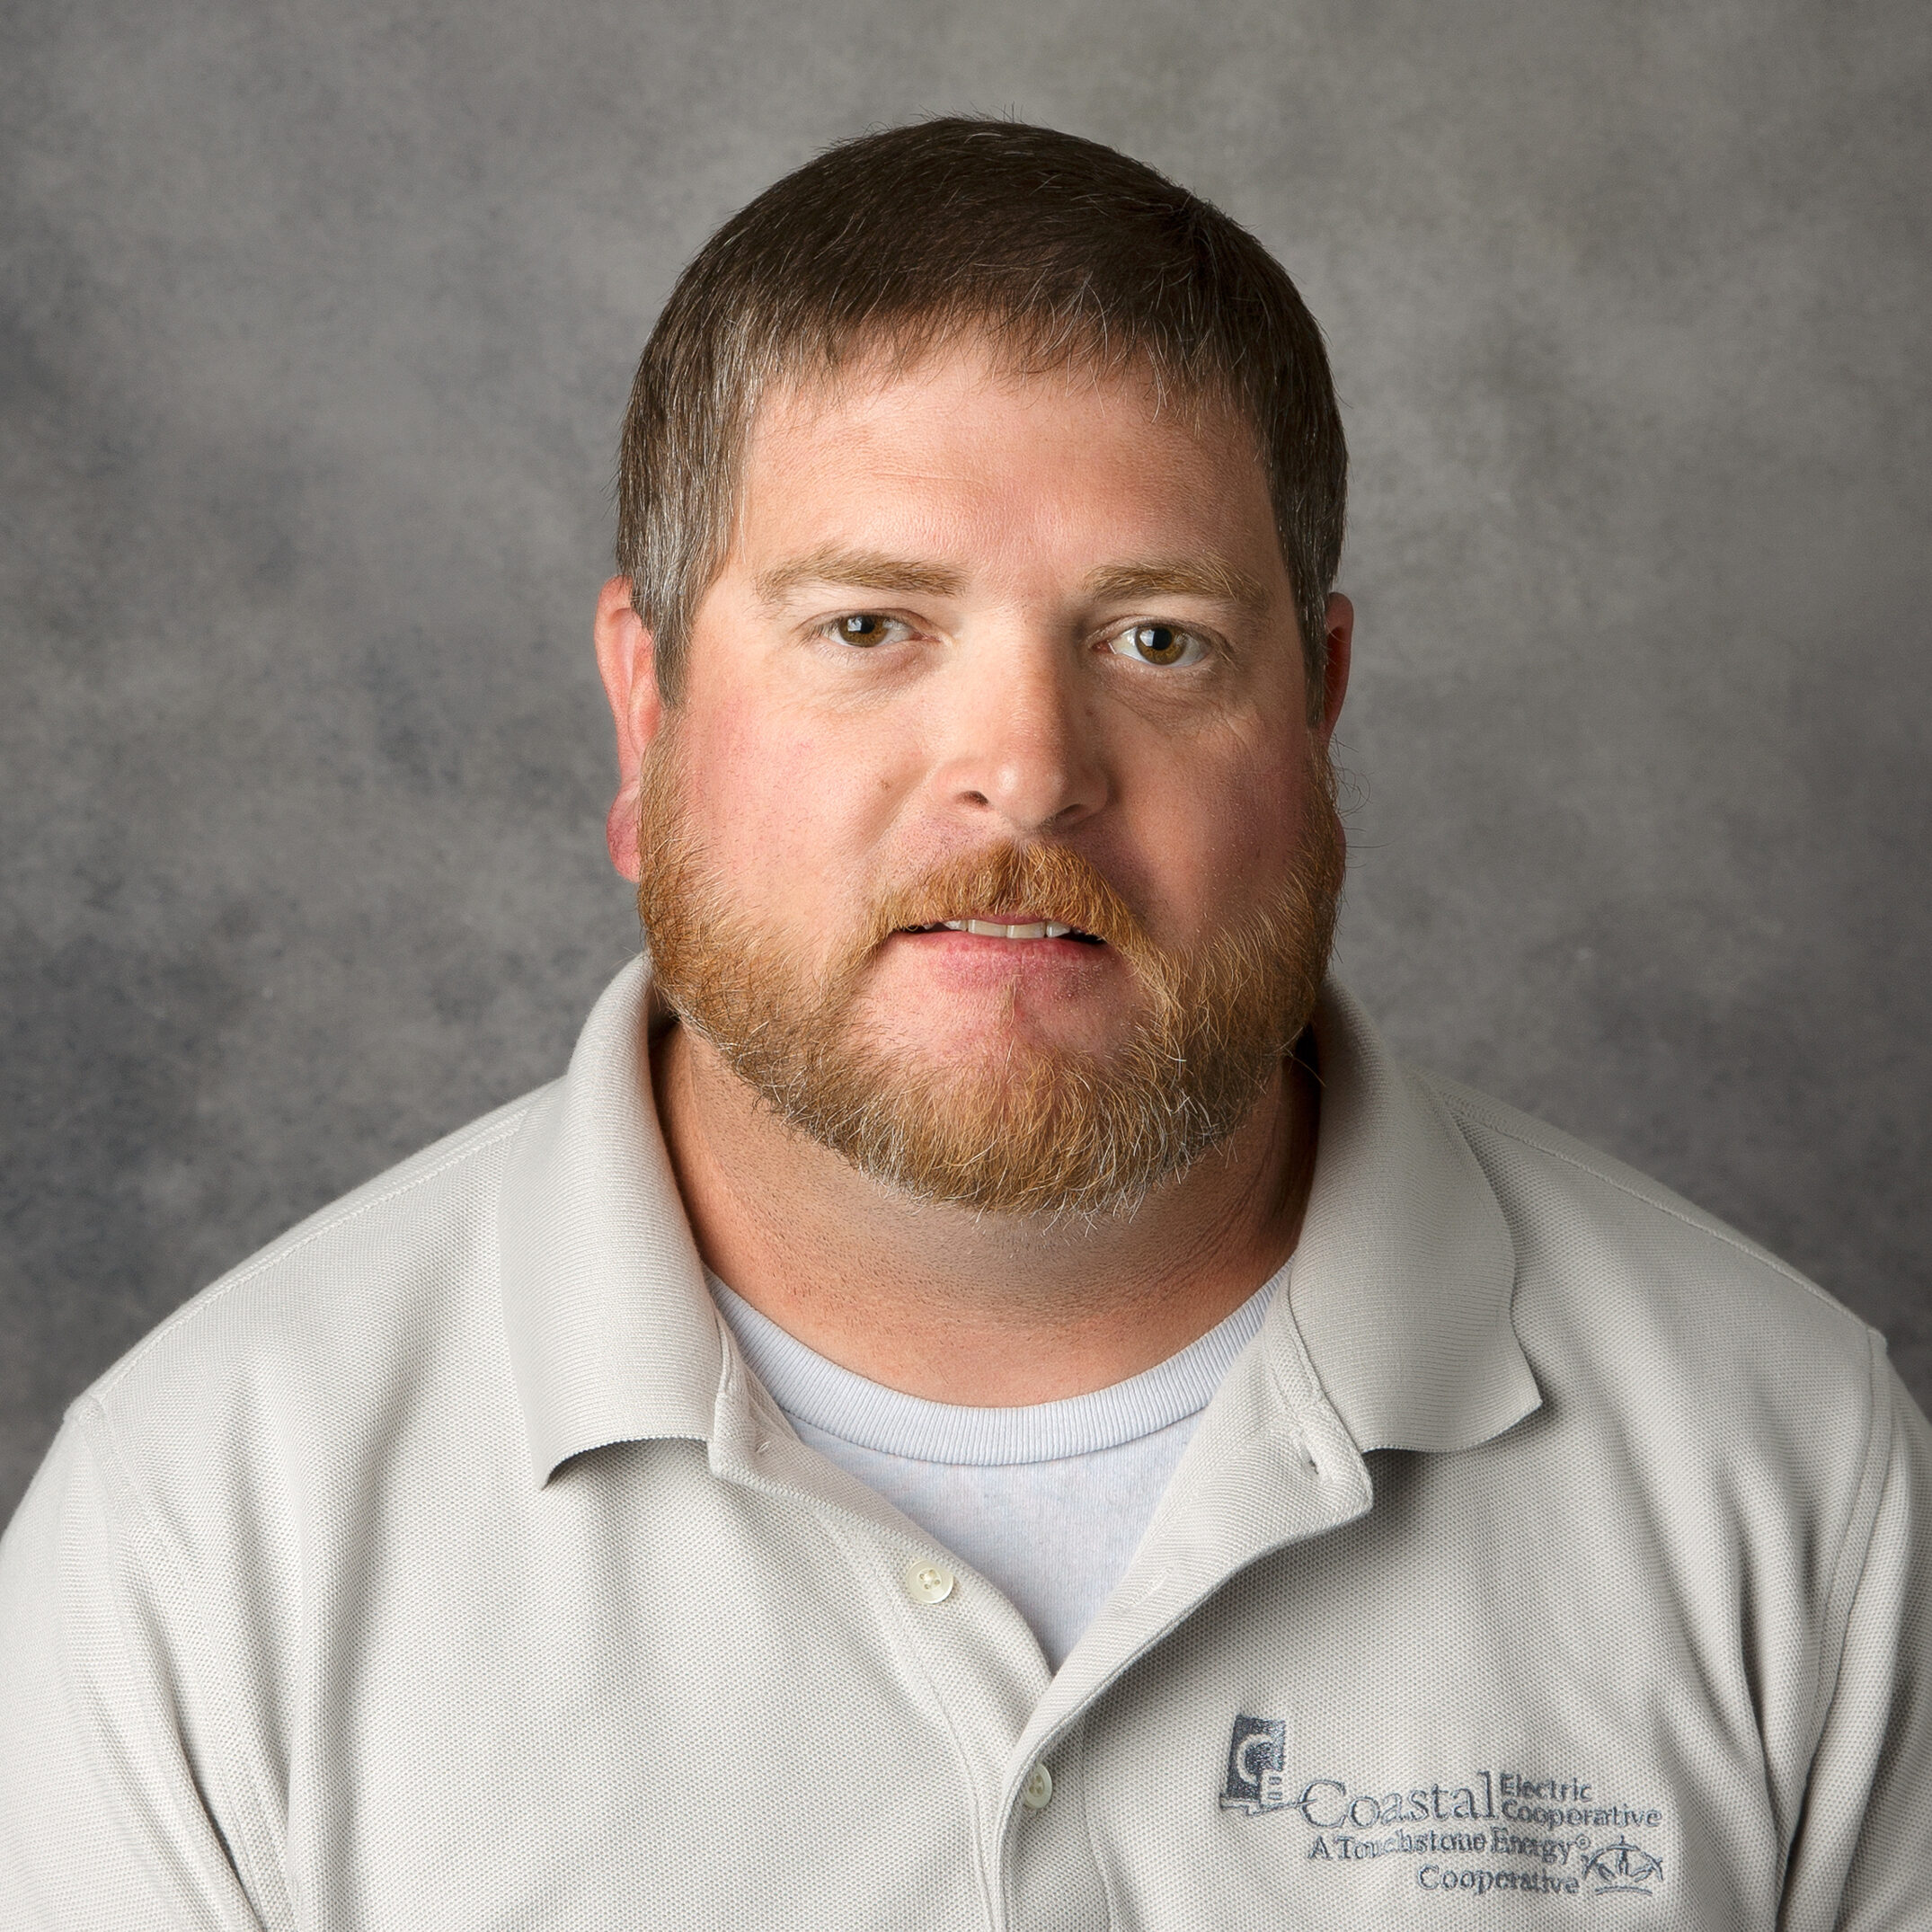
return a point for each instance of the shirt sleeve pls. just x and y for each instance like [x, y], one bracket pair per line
[1862, 1861]
[105, 1781]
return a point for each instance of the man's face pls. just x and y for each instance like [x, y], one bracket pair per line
[1014, 653]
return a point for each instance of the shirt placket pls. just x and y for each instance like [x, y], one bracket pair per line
[941, 1629]
[1272, 1464]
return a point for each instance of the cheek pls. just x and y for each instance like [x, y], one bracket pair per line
[783, 804]
[1240, 832]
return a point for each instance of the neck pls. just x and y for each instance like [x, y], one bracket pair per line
[979, 1309]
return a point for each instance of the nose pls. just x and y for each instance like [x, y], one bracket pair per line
[1023, 752]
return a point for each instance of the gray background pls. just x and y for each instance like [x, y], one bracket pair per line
[318, 322]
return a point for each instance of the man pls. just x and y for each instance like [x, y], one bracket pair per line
[984, 1397]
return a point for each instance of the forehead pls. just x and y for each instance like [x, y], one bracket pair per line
[958, 448]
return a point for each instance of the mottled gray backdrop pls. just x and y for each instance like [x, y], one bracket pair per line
[318, 321]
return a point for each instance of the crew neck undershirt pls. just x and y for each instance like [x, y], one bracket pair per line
[1048, 1501]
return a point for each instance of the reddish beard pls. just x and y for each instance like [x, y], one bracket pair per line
[1027, 1130]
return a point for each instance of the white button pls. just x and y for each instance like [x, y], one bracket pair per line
[1037, 1789]
[929, 1582]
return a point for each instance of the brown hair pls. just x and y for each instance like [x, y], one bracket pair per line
[1063, 251]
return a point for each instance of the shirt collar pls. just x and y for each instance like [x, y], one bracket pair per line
[1405, 1271]
[613, 1336]
[1400, 1290]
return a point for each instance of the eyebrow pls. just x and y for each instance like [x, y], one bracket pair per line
[863, 569]
[1210, 578]
[1204, 577]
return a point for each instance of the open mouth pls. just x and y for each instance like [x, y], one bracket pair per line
[1001, 929]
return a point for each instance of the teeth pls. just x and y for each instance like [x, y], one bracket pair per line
[992, 929]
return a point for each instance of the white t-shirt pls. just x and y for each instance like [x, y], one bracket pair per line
[1048, 1502]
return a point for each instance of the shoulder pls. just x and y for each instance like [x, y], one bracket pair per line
[299, 1341]
[1551, 1185]
[1630, 1297]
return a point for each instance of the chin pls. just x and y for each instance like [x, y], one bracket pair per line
[967, 1037]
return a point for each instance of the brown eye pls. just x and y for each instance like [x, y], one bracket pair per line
[865, 629]
[1159, 644]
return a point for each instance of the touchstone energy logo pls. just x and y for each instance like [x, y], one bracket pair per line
[1623, 1867]
[1476, 1832]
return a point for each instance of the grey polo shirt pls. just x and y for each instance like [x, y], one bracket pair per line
[1553, 1557]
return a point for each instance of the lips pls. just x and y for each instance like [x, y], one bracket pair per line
[1017, 929]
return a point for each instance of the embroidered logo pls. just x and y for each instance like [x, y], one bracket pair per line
[1257, 1767]
[1622, 1867]
[1467, 1827]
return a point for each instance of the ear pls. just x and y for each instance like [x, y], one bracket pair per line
[1337, 646]
[628, 664]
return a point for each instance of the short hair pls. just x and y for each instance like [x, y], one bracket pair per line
[1061, 251]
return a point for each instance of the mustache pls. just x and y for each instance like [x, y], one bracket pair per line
[1020, 883]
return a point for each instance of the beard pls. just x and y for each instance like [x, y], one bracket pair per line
[1020, 1128]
